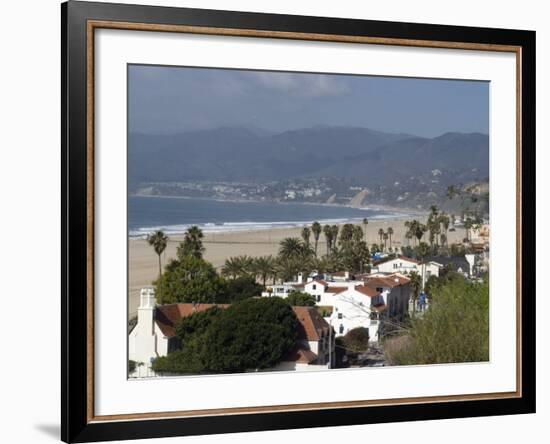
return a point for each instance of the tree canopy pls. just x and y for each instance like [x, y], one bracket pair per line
[189, 280]
[250, 334]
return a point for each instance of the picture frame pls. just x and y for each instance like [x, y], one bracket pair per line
[80, 22]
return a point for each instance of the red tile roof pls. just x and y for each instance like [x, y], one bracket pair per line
[367, 291]
[336, 290]
[312, 325]
[166, 316]
[394, 280]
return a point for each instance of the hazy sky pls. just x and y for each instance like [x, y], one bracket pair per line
[176, 99]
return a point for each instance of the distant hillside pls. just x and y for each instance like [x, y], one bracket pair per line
[364, 155]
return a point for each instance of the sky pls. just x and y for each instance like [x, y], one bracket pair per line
[176, 99]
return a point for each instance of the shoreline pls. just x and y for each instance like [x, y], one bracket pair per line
[245, 226]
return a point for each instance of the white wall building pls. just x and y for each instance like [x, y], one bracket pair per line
[366, 303]
[356, 306]
[406, 265]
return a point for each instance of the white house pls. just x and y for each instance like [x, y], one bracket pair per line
[154, 335]
[356, 306]
[406, 265]
[367, 303]
[396, 292]
[283, 290]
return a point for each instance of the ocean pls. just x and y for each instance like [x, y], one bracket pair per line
[174, 215]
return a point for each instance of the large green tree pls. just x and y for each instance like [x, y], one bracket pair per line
[189, 280]
[251, 334]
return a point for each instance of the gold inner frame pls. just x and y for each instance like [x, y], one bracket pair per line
[96, 24]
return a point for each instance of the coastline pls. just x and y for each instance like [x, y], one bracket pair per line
[387, 212]
[143, 262]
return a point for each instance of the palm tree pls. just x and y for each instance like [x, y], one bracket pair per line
[264, 267]
[306, 233]
[239, 266]
[327, 231]
[416, 285]
[316, 230]
[192, 244]
[365, 223]
[158, 240]
[291, 247]
[445, 221]
[381, 234]
[390, 234]
[385, 236]
[231, 268]
[335, 229]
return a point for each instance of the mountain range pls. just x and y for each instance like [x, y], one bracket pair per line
[363, 155]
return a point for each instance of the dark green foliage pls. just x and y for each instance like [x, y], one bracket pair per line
[298, 298]
[250, 334]
[197, 323]
[189, 280]
[454, 329]
[354, 253]
[132, 366]
[240, 288]
[192, 244]
[356, 340]
[181, 362]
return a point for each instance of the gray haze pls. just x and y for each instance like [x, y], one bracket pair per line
[178, 99]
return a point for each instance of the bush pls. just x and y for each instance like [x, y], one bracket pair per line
[357, 340]
[454, 329]
[298, 298]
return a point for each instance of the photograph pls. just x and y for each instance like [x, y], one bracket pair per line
[282, 221]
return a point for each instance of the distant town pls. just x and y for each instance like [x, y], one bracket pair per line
[417, 192]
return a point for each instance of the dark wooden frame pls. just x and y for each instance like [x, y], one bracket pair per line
[79, 19]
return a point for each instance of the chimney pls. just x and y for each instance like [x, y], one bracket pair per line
[146, 310]
[300, 278]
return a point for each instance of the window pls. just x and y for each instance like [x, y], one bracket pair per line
[340, 316]
[314, 286]
[318, 298]
[379, 289]
[341, 328]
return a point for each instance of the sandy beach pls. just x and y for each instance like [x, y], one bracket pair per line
[143, 262]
